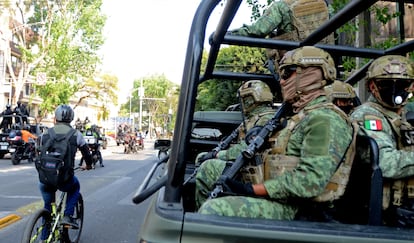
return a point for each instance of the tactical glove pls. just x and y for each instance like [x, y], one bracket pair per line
[207, 156]
[239, 188]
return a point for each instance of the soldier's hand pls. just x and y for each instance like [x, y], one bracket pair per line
[207, 156]
[238, 187]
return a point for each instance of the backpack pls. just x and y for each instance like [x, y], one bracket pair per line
[55, 163]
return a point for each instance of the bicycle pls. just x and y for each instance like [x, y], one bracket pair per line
[43, 220]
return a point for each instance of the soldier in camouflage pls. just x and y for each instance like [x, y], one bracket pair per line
[256, 101]
[303, 156]
[342, 95]
[390, 80]
[287, 20]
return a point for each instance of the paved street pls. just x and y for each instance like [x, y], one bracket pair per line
[107, 193]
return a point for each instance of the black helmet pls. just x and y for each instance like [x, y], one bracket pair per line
[26, 127]
[8, 106]
[64, 113]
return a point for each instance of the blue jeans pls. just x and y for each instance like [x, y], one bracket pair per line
[72, 188]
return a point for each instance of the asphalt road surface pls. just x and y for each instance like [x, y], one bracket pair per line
[110, 215]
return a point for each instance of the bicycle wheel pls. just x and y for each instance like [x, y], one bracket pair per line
[73, 235]
[38, 222]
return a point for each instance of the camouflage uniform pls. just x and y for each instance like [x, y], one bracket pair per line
[319, 141]
[276, 17]
[395, 163]
[288, 20]
[257, 115]
[381, 118]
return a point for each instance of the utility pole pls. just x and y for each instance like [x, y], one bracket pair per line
[141, 95]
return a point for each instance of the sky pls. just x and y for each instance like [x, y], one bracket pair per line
[149, 37]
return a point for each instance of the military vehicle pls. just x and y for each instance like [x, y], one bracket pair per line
[172, 214]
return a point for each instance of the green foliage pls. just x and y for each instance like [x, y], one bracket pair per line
[69, 42]
[160, 98]
[383, 14]
[54, 98]
[216, 95]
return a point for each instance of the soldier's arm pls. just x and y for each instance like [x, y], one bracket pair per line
[326, 137]
[272, 18]
[394, 163]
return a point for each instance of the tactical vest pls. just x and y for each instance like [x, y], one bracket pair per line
[307, 16]
[276, 162]
[253, 172]
[395, 190]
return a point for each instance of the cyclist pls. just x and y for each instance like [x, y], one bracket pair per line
[63, 117]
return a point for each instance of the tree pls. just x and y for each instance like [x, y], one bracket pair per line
[160, 95]
[67, 35]
[217, 95]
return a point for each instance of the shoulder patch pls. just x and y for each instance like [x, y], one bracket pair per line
[372, 122]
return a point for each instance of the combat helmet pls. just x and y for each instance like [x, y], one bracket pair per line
[310, 56]
[254, 93]
[340, 90]
[391, 67]
[393, 78]
[64, 113]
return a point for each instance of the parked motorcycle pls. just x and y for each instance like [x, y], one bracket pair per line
[94, 149]
[21, 150]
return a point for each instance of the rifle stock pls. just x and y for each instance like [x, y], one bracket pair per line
[271, 126]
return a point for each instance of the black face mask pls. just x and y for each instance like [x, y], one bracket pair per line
[393, 92]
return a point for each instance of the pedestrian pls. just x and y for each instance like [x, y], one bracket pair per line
[390, 80]
[63, 117]
[301, 159]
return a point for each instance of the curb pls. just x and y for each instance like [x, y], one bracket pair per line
[9, 219]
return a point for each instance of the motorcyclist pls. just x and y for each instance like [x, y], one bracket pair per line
[93, 130]
[79, 125]
[26, 136]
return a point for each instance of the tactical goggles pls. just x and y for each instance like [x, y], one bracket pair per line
[394, 84]
[286, 72]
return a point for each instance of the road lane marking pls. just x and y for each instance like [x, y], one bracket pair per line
[16, 168]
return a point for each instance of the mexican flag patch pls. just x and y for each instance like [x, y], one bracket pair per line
[375, 125]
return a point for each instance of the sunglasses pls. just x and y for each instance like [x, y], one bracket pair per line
[286, 72]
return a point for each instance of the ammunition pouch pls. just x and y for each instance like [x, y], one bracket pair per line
[253, 172]
[398, 202]
[276, 164]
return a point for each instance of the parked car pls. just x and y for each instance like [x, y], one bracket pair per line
[172, 216]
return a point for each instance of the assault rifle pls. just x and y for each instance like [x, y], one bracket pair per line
[271, 126]
[224, 144]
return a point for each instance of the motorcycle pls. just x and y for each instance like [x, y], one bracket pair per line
[94, 149]
[21, 150]
[131, 144]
